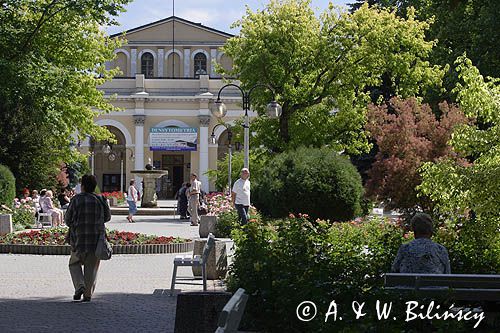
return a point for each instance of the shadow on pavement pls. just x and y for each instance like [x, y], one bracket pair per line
[108, 312]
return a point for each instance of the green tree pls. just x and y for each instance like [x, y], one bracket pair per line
[470, 26]
[456, 188]
[328, 61]
[52, 56]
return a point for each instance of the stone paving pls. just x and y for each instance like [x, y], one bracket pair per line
[131, 293]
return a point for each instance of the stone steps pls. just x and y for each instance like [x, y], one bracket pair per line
[145, 211]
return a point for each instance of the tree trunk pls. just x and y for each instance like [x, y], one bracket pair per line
[284, 133]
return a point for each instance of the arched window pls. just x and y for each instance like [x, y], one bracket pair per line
[200, 64]
[147, 64]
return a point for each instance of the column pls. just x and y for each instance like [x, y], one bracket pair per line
[213, 59]
[161, 61]
[203, 144]
[139, 147]
[133, 62]
[187, 62]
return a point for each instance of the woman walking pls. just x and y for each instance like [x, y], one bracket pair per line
[131, 200]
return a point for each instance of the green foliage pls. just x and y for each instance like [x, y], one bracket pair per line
[285, 262]
[257, 159]
[7, 186]
[318, 182]
[457, 188]
[226, 222]
[229, 221]
[23, 217]
[315, 65]
[52, 59]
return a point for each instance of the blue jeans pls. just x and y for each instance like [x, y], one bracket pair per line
[242, 213]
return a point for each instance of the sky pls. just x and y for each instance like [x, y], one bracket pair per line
[218, 14]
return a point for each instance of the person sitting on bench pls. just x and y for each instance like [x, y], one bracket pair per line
[422, 255]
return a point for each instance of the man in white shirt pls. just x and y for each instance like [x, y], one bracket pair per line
[194, 199]
[240, 195]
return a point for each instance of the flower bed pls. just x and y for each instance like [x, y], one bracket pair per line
[120, 197]
[218, 203]
[52, 241]
[23, 213]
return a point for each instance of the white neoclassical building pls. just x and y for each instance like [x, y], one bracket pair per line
[168, 78]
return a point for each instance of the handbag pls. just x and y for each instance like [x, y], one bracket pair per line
[103, 250]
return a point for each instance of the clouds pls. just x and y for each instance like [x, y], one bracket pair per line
[218, 14]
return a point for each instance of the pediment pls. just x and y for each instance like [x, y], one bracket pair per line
[184, 31]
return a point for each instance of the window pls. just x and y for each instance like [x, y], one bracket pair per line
[147, 64]
[200, 64]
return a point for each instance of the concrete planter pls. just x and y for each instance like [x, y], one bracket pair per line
[112, 201]
[217, 260]
[207, 225]
[117, 249]
[6, 226]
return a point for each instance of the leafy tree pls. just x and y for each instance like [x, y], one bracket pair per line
[258, 158]
[315, 65]
[52, 55]
[470, 26]
[457, 188]
[407, 135]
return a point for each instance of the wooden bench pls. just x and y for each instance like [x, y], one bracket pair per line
[462, 287]
[230, 317]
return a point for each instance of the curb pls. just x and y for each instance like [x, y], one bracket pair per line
[117, 249]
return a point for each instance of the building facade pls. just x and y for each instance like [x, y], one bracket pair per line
[168, 80]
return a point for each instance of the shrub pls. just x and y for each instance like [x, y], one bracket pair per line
[318, 182]
[228, 221]
[285, 262]
[7, 186]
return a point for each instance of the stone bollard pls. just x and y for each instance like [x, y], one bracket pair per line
[207, 225]
[217, 260]
[6, 224]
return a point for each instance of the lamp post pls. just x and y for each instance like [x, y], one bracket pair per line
[219, 110]
[213, 141]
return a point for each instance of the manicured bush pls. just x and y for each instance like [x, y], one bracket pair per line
[318, 182]
[7, 186]
[285, 262]
[228, 221]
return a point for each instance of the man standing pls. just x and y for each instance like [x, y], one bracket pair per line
[85, 218]
[194, 199]
[240, 195]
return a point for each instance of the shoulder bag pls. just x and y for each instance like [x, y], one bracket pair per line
[103, 250]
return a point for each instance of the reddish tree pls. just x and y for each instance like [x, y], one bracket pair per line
[407, 135]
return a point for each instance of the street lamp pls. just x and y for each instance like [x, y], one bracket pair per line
[213, 141]
[219, 110]
[106, 148]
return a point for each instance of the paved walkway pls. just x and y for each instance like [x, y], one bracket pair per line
[131, 293]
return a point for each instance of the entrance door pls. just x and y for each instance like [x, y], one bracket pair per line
[173, 181]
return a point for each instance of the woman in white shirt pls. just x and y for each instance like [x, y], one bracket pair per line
[131, 200]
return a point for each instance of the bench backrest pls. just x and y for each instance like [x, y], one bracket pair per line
[230, 317]
[209, 245]
[470, 281]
